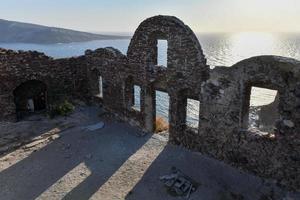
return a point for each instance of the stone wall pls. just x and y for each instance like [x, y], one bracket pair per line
[223, 92]
[63, 78]
[223, 130]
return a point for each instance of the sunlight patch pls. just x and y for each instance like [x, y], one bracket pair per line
[26, 150]
[130, 173]
[67, 183]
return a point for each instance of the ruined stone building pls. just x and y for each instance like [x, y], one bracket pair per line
[223, 93]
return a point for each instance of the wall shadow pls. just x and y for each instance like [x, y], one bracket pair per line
[216, 180]
[102, 151]
[14, 140]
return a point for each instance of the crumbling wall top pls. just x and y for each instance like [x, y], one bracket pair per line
[106, 53]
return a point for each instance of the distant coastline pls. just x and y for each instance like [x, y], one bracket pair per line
[19, 32]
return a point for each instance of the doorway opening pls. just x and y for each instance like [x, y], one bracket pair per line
[30, 97]
[162, 100]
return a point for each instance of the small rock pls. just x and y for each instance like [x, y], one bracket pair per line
[89, 156]
[54, 137]
[288, 123]
[215, 82]
[82, 174]
[33, 144]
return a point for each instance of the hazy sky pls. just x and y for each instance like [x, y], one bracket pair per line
[125, 15]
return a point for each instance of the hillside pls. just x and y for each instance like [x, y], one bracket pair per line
[18, 32]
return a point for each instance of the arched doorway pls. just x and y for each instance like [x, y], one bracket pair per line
[30, 97]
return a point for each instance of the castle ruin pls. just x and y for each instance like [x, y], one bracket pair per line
[223, 93]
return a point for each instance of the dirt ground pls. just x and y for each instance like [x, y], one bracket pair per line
[64, 160]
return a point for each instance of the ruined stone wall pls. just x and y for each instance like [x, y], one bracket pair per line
[186, 68]
[63, 77]
[223, 132]
[223, 92]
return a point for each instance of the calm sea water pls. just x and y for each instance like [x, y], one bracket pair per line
[220, 50]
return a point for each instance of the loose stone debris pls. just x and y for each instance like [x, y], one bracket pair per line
[179, 184]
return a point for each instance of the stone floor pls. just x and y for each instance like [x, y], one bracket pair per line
[67, 161]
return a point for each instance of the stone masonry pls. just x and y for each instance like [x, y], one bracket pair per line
[223, 93]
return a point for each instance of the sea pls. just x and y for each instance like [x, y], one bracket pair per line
[220, 49]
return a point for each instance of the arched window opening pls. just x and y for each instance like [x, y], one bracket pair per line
[162, 53]
[30, 97]
[137, 98]
[96, 83]
[162, 100]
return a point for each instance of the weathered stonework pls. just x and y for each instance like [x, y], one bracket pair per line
[223, 92]
[63, 77]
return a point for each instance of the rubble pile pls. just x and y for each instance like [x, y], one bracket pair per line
[178, 184]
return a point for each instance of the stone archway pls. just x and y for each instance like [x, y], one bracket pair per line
[29, 97]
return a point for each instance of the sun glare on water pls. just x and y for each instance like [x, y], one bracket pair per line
[248, 44]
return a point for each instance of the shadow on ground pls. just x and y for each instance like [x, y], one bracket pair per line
[102, 152]
[116, 163]
[216, 180]
[15, 135]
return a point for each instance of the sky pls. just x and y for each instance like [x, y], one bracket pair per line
[125, 15]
